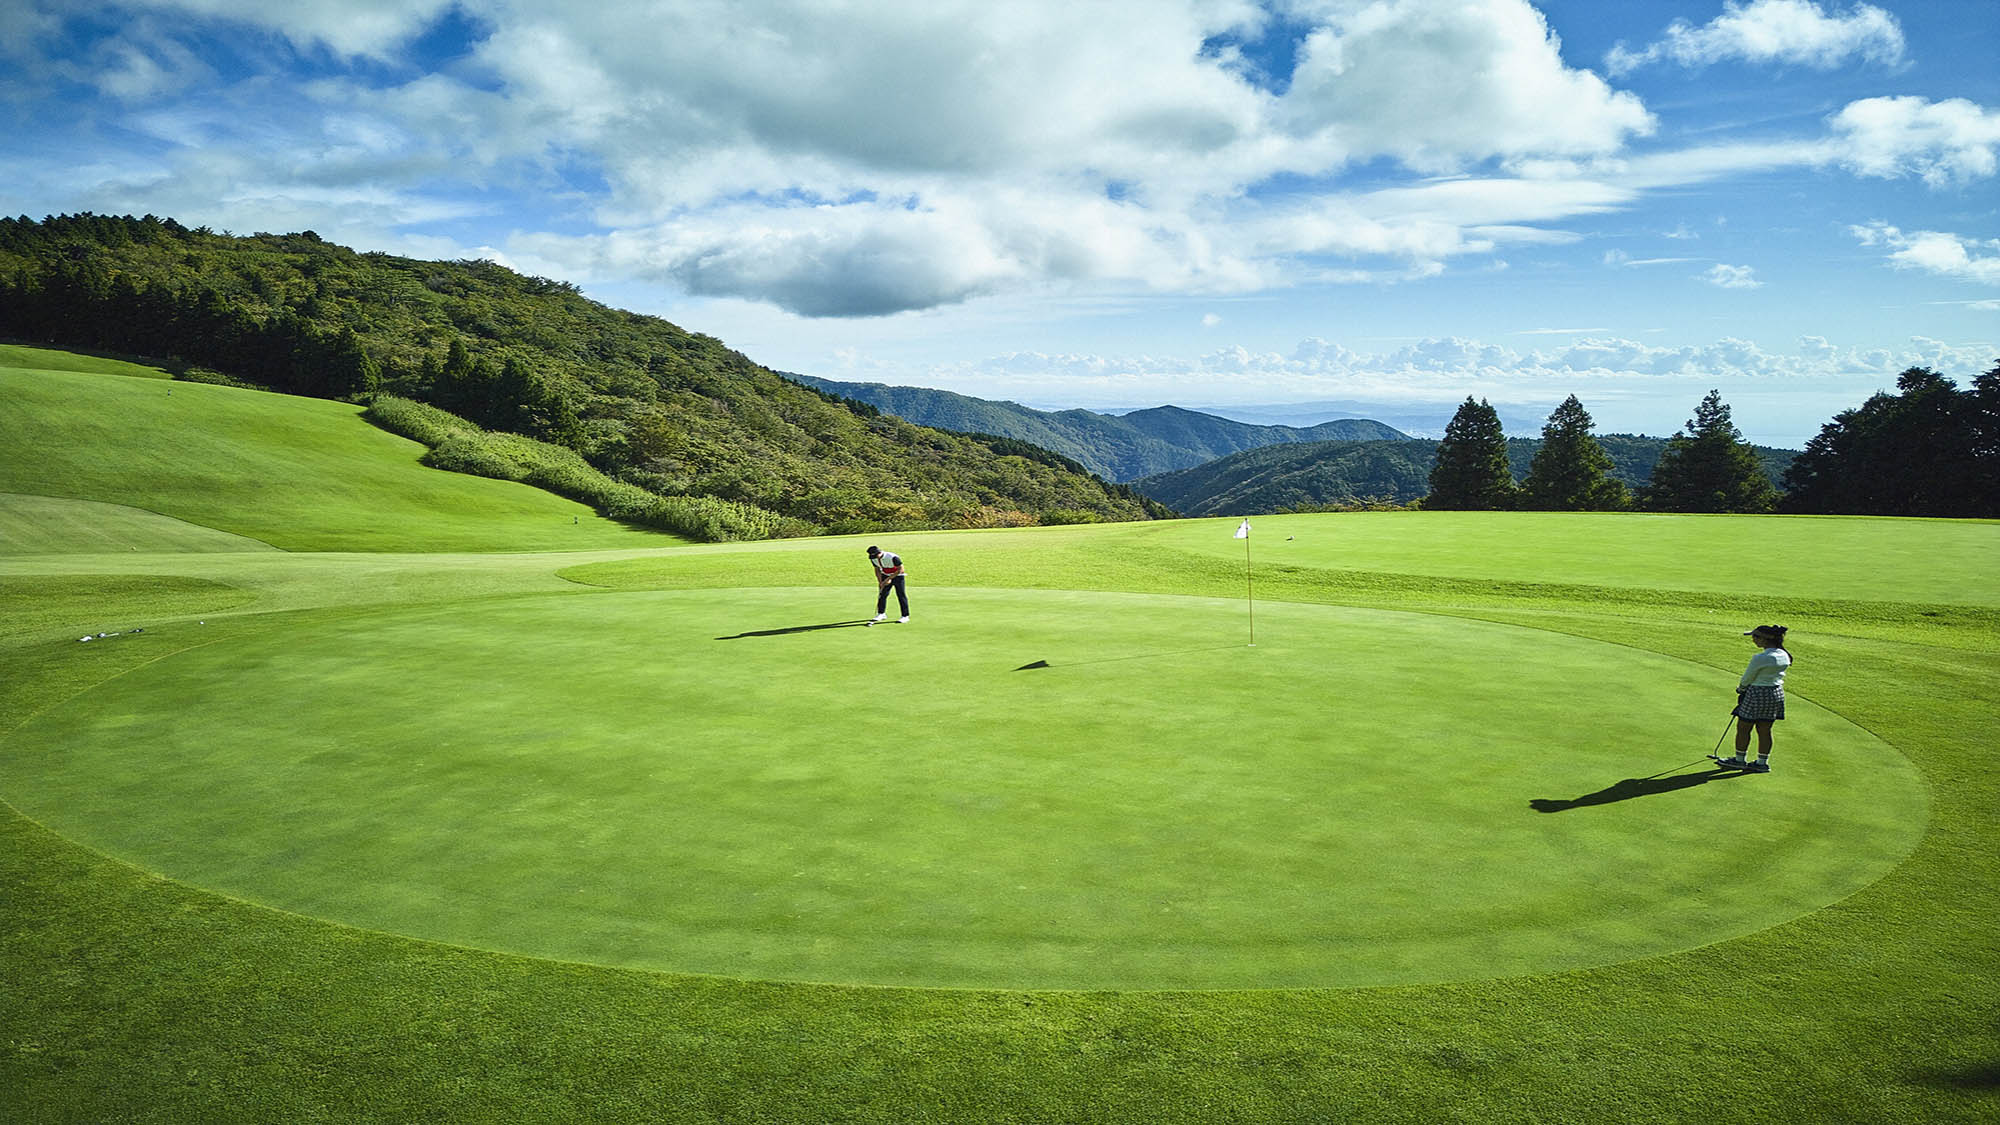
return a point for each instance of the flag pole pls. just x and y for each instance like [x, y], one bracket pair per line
[1249, 592]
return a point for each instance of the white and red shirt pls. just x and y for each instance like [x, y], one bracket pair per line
[887, 565]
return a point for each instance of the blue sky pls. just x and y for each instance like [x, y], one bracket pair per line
[1388, 204]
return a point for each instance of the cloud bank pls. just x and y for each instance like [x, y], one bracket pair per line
[899, 155]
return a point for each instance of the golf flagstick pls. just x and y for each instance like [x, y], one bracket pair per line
[1249, 594]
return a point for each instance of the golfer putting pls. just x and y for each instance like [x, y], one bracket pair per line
[889, 575]
[1760, 697]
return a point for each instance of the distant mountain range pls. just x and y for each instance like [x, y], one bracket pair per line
[1413, 421]
[1275, 479]
[1117, 447]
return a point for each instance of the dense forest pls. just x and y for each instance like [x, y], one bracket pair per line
[1120, 447]
[645, 402]
[1344, 474]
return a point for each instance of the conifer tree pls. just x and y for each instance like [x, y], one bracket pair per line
[1570, 473]
[1709, 468]
[1471, 470]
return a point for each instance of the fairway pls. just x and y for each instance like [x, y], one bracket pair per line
[749, 783]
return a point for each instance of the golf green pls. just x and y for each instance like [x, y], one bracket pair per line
[748, 782]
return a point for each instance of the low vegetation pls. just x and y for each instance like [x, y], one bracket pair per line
[461, 447]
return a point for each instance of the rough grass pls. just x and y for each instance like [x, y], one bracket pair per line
[459, 446]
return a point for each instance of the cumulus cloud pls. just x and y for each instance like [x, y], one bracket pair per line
[863, 160]
[1945, 143]
[1732, 277]
[1935, 252]
[910, 153]
[1793, 32]
[1438, 83]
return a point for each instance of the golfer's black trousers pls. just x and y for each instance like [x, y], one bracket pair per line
[882, 596]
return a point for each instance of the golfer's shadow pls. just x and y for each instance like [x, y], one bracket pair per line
[1634, 787]
[796, 629]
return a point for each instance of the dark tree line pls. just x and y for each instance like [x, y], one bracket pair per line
[1706, 467]
[1929, 450]
[81, 302]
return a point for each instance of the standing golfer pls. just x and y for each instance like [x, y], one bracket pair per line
[889, 575]
[1760, 697]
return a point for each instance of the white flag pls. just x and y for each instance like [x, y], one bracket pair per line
[1244, 531]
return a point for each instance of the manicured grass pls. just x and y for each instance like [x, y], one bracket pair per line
[635, 795]
[140, 992]
[299, 474]
[49, 359]
[45, 525]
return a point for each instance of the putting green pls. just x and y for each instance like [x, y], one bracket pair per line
[746, 782]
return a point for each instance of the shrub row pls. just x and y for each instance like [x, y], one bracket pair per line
[462, 447]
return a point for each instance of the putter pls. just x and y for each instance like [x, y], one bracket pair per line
[1715, 754]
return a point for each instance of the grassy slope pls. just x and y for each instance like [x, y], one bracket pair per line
[47, 525]
[128, 997]
[299, 474]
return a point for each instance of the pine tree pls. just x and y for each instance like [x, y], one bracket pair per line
[1471, 469]
[1570, 471]
[1709, 468]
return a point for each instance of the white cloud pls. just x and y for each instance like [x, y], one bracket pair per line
[1948, 142]
[1732, 277]
[1439, 83]
[922, 153]
[1629, 386]
[1795, 32]
[1443, 370]
[906, 154]
[347, 27]
[1935, 252]
[1622, 260]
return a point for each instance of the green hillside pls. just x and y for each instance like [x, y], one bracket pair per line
[1334, 474]
[1119, 447]
[296, 473]
[674, 412]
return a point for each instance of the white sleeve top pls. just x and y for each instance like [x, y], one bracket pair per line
[1767, 669]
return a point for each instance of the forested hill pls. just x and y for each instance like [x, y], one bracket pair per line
[671, 411]
[1116, 447]
[1336, 473]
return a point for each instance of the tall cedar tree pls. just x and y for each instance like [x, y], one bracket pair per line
[1471, 471]
[1914, 454]
[1570, 470]
[1709, 468]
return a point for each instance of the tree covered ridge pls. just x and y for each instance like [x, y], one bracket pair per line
[640, 399]
[1348, 474]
